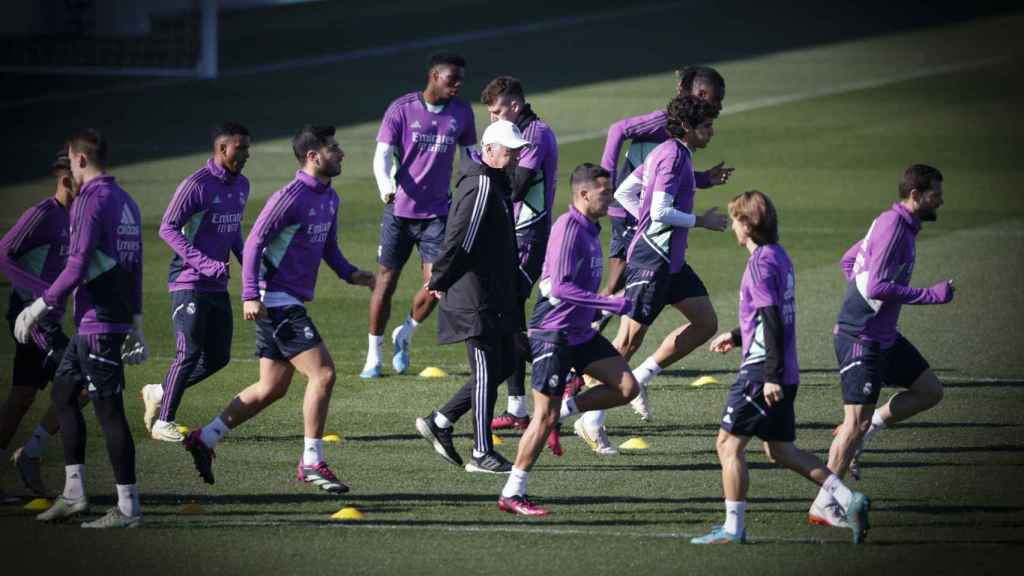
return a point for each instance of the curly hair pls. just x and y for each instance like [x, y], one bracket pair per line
[687, 112]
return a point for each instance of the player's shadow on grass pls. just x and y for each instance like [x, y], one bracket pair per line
[968, 383]
[921, 425]
[1010, 448]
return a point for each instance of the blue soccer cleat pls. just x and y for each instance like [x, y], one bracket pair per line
[857, 517]
[718, 535]
[370, 372]
[400, 360]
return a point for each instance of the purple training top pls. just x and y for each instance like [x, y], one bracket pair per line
[34, 251]
[570, 280]
[542, 157]
[769, 280]
[426, 145]
[668, 169]
[203, 225]
[104, 266]
[295, 230]
[646, 131]
[878, 269]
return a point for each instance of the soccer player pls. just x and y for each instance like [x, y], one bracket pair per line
[202, 225]
[533, 192]
[760, 403]
[413, 168]
[104, 270]
[869, 348]
[660, 194]
[296, 229]
[32, 254]
[474, 277]
[561, 336]
[645, 132]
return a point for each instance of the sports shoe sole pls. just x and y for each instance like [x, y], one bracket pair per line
[470, 467]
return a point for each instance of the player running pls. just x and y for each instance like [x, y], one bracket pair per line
[202, 225]
[104, 270]
[296, 229]
[561, 336]
[760, 403]
[869, 348]
[413, 169]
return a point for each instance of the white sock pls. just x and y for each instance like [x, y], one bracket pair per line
[373, 347]
[157, 390]
[74, 481]
[594, 419]
[516, 483]
[517, 406]
[213, 432]
[34, 446]
[834, 486]
[823, 499]
[646, 371]
[313, 451]
[441, 421]
[568, 409]
[734, 511]
[877, 425]
[128, 499]
[409, 327]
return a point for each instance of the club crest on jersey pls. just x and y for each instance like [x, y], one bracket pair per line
[867, 388]
[308, 332]
[553, 381]
[312, 211]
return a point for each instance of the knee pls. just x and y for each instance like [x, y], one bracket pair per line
[549, 419]
[323, 377]
[726, 448]
[706, 325]
[630, 387]
[933, 393]
[387, 281]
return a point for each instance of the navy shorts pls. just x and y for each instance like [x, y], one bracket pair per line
[554, 361]
[398, 236]
[93, 362]
[652, 290]
[747, 413]
[532, 246]
[623, 230]
[286, 332]
[864, 367]
[36, 362]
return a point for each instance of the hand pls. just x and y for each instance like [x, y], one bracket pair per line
[772, 393]
[222, 271]
[253, 310]
[719, 173]
[722, 343]
[712, 220]
[27, 320]
[435, 294]
[943, 291]
[388, 198]
[134, 349]
[364, 278]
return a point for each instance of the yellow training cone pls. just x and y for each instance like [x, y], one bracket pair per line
[635, 443]
[183, 430]
[433, 372]
[192, 508]
[496, 440]
[332, 438]
[39, 504]
[703, 381]
[347, 513]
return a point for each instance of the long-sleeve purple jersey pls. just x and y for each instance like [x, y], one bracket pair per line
[668, 169]
[878, 269]
[295, 231]
[203, 225]
[572, 274]
[541, 157]
[104, 266]
[769, 280]
[34, 251]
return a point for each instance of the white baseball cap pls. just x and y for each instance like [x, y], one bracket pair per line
[504, 133]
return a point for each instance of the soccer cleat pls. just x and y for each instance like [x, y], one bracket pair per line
[830, 515]
[641, 405]
[555, 439]
[63, 509]
[152, 395]
[857, 517]
[400, 359]
[718, 535]
[114, 518]
[439, 438]
[572, 388]
[489, 463]
[370, 371]
[28, 470]
[596, 439]
[166, 431]
[507, 420]
[520, 505]
[322, 477]
[202, 456]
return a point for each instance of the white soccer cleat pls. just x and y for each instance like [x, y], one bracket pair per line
[830, 515]
[166, 432]
[596, 439]
[641, 405]
[114, 518]
[63, 508]
[152, 395]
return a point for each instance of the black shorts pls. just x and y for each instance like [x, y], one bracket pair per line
[864, 367]
[623, 230]
[532, 245]
[36, 361]
[93, 362]
[398, 236]
[553, 360]
[652, 290]
[747, 414]
[286, 332]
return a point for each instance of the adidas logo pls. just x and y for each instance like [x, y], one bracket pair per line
[216, 199]
[416, 124]
[312, 211]
[126, 216]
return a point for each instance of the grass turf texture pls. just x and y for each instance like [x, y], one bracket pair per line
[944, 484]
